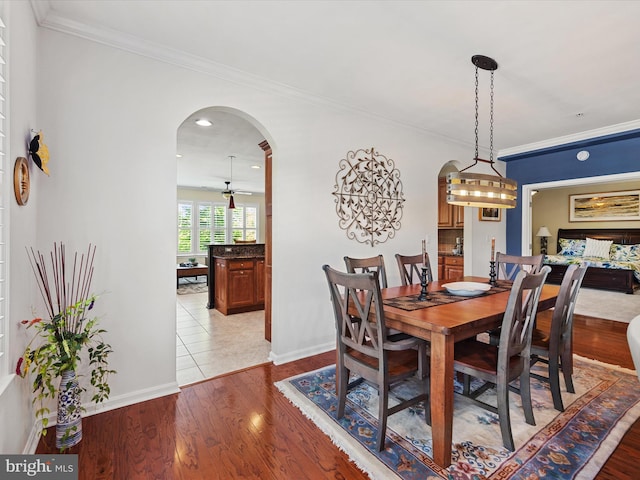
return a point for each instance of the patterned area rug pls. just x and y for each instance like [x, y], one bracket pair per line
[569, 445]
[186, 287]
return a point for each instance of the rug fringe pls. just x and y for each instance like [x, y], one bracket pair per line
[343, 441]
[610, 366]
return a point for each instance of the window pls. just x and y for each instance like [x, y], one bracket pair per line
[185, 227]
[203, 223]
[244, 223]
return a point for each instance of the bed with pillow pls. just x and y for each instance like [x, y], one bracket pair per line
[613, 257]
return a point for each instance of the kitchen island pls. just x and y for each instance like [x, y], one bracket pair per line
[236, 278]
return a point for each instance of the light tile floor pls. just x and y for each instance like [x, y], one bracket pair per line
[209, 344]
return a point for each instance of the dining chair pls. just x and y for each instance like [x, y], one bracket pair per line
[410, 267]
[509, 265]
[633, 339]
[498, 365]
[366, 349]
[555, 347]
[364, 265]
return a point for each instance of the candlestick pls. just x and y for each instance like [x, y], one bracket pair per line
[492, 273]
[493, 249]
[424, 252]
[423, 282]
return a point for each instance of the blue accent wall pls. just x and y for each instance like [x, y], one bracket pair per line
[610, 154]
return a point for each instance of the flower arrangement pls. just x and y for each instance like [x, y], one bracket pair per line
[59, 341]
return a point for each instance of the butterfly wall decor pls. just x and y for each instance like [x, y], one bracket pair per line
[39, 152]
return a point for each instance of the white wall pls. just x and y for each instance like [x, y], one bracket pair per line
[110, 119]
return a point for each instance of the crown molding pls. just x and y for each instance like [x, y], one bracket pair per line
[573, 138]
[41, 9]
[49, 18]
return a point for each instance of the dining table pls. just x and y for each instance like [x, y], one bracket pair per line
[443, 325]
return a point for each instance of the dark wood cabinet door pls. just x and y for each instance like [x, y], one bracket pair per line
[458, 216]
[241, 288]
[220, 284]
[452, 272]
[445, 211]
[260, 277]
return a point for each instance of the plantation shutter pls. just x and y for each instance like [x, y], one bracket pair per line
[185, 227]
[220, 223]
[204, 226]
[5, 174]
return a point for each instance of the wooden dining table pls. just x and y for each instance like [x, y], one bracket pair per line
[443, 326]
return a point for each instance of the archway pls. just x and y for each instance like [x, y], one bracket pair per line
[228, 147]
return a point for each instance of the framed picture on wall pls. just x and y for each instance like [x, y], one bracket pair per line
[605, 207]
[490, 214]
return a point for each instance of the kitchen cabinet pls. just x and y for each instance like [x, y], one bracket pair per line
[260, 278]
[239, 285]
[449, 216]
[453, 267]
[440, 267]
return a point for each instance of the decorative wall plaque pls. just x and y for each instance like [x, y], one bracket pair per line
[369, 197]
[21, 180]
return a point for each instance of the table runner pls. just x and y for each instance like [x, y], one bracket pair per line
[439, 297]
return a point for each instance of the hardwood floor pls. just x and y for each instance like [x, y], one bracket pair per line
[240, 426]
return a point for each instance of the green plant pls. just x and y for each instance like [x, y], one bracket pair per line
[60, 340]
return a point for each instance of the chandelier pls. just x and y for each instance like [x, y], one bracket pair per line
[469, 189]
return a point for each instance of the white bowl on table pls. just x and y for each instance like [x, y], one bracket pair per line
[466, 289]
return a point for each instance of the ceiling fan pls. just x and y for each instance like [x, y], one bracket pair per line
[227, 193]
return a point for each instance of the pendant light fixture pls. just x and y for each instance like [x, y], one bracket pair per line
[228, 193]
[478, 189]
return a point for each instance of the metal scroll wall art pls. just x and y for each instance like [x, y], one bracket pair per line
[368, 196]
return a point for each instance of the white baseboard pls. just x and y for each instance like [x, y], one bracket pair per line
[298, 354]
[111, 404]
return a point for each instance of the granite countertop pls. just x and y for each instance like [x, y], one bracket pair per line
[449, 254]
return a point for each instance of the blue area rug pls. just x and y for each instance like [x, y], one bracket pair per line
[573, 444]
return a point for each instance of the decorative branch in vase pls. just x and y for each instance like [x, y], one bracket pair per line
[57, 347]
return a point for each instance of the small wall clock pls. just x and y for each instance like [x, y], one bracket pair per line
[21, 180]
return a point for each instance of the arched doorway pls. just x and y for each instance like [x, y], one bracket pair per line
[216, 145]
[450, 230]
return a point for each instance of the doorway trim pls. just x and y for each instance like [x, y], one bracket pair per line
[527, 217]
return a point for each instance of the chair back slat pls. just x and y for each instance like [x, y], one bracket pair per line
[519, 316]
[562, 318]
[366, 265]
[510, 265]
[410, 268]
[365, 330]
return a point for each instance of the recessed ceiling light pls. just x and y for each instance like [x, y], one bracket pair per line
[256, 167]
[203, 122]
[179, 155]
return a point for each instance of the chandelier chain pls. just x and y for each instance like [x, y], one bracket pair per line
[476, 132]
[491, 123]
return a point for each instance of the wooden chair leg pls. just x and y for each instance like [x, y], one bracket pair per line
[343, 383]
[427, 403]
[466, 384]
[567, 370]
[503, 415]
[554, 384]
[383, 400]
[525, 394]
